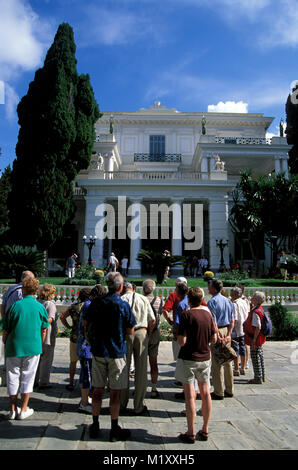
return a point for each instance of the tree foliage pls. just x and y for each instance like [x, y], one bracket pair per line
[292, 132]
[55, 141]
[5, 187]
[266, 207]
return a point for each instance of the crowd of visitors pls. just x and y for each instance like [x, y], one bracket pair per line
[113, 326]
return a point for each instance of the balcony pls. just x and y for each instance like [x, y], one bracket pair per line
[164, 157]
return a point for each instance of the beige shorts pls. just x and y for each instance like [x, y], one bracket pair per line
[73, 352]
[187, 371]
[113, 369]
[154, 343]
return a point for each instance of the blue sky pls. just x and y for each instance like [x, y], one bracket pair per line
[192, 55]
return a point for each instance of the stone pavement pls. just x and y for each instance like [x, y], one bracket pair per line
[263, 417]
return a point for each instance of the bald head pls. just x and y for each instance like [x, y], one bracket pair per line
[27, 274]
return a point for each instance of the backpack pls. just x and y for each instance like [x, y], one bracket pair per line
[266, 326]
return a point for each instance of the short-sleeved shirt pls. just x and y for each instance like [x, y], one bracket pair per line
[12, 295]
[141, 308]
[83, 348]
[110, 317]
[71, 262]
[23, 322]
[222, 310]
[75, 312]
[52, 330]
[171, 303]
[156, 307]
[198, 327]
[183, 305]
[241, 311]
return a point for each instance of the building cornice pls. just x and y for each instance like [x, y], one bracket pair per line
[223, 120]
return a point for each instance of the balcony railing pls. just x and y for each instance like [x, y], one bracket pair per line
[149, 175]
[103, 138]
[288, 296]
[242, 140]
[163, 157]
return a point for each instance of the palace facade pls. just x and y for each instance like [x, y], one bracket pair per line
[162, 179]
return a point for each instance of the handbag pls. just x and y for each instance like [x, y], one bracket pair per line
[224, 353]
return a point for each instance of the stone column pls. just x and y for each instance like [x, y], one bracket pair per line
[277, 165]
[101, 207]
[284, 166]
[204, 168]
[218, 229]
[176, 248]
[134, 232]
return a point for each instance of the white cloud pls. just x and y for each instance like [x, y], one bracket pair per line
[228, 107]
[22, 35]
[116, 27]
[11, 102]
[23, 39]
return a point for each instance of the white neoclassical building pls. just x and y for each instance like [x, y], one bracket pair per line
[161, 179]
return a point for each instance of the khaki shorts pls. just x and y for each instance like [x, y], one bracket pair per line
[186, 371]
[113, 369]
[154, 343]
[73, 352]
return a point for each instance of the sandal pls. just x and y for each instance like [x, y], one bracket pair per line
[186, 438]
[255, 381]
[202, 435]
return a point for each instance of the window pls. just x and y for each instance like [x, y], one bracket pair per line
[157, 145]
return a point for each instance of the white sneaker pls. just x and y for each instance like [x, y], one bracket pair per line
[13, 414]
[85, 408]
[25, 414]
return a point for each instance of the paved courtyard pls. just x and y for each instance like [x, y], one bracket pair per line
[257, 417]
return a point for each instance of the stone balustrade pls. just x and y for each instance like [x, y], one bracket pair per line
[147, 175]
[288, 296]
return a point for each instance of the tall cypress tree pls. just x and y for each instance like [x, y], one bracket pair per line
[55, 141]
[292, 131]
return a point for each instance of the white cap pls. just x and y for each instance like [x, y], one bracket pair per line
[181, 279]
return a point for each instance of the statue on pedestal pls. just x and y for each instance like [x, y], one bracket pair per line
[219, 165]
[97, 160]
[203, 125]
[281, 128]
[111, 124]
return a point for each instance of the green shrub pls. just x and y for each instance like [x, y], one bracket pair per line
[234, 275]
[165, 331]
[16, 259]
[285, 323]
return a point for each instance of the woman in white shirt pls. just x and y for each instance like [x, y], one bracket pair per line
[241, 311]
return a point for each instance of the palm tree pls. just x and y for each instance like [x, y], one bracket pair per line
[159, 262]
[21, 258]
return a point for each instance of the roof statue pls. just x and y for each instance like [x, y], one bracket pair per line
[203, 125]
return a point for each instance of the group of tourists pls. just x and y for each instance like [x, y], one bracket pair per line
[114, 326]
